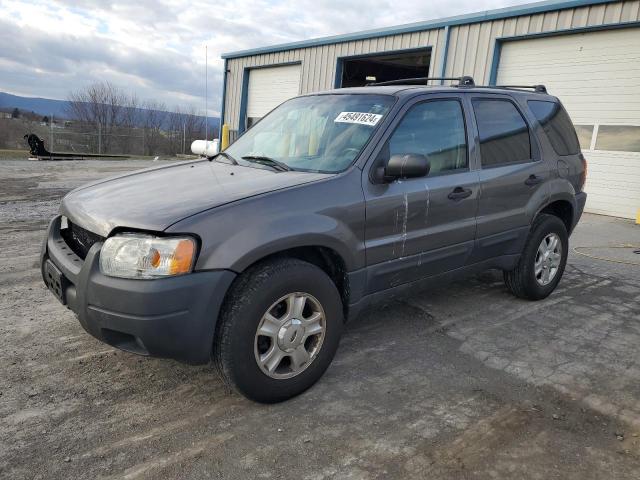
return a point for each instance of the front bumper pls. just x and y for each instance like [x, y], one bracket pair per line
[169, 317]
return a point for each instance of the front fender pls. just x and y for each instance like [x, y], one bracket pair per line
[328, 214]
[243, 248]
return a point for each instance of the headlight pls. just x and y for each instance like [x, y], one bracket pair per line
[133, 255]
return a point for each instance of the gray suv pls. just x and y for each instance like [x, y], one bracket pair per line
[256, 257]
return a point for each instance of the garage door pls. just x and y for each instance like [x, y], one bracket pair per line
[269, 87]
[597, 77]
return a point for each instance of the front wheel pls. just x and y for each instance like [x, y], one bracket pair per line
[543, 260]
[280, 328]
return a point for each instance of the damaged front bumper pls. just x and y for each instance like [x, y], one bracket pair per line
[169, 317]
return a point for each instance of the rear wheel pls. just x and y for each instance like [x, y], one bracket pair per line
[279, 330]
[542, 261]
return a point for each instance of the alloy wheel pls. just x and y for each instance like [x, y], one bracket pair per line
[548, 258]
[290, 335]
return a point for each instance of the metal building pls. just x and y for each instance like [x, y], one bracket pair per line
[587, 52]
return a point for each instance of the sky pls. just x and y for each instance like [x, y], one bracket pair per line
[156, 49]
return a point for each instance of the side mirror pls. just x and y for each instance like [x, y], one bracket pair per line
[409, 165]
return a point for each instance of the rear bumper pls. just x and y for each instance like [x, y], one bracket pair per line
[169, 317]
[581, 199]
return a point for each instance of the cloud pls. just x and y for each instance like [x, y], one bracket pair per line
[156, 48]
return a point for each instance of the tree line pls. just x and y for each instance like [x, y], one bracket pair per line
[124, 124]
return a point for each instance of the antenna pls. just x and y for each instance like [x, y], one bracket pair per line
[206, 78]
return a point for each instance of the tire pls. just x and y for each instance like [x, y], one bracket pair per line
[277, 287]
[524, 281]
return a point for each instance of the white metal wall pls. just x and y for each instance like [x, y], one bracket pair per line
[595, 74]
[470, 47]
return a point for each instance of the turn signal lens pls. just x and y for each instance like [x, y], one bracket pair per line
[133, 255]
[182, 257]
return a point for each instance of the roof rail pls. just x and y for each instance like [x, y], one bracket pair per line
[535, 88]
[464, 81]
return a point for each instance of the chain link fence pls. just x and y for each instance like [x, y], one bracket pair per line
[82, 138]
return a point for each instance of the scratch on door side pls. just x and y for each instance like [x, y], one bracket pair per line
[426, 216]
[395, 230]
[426, 213]
[404, 222]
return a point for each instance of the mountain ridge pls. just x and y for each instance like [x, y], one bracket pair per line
[57, 108]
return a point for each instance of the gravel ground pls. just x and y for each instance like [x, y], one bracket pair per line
[460, 382]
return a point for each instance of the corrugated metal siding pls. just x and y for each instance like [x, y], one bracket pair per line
[470, 48]
[319, 63]
[478, 42]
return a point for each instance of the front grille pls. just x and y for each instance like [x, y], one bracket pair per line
[79, 240]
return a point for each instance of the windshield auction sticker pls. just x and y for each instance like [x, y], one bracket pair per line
[361, 118]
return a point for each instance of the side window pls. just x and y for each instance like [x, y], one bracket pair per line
[435, 129]
[504, 135]
[557, 125]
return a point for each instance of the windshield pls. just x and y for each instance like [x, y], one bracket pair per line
[320, 133]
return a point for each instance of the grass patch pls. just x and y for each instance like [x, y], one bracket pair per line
[14, 153]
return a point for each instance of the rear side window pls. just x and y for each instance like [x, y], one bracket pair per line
[557, 125]
[504, 135]
[435, 129]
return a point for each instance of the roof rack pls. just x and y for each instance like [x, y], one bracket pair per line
[535, 88]
[464, 81]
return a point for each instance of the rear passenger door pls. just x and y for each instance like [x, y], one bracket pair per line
[512, 175]
[418, 227]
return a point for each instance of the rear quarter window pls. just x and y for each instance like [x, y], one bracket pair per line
[557, 125]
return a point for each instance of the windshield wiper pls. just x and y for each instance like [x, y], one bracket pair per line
[225, 155]
[262, 160]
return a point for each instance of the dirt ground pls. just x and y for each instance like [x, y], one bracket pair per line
[460, 382]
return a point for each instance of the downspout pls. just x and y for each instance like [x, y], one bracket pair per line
[444, 55]
[493, 76]
[224, 97]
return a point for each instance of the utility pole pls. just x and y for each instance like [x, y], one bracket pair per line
[51, 133]
[99, 138]
[206, 93]
[184, 136]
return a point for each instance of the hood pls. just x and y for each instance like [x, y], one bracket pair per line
[156, 198]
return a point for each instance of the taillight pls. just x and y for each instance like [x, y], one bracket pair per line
[583, 176]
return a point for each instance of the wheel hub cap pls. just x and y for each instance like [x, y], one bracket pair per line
[290, 335]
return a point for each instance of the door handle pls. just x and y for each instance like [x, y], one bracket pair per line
[533, 180]
[459, 193]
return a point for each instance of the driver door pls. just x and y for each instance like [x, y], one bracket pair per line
[419, 227]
